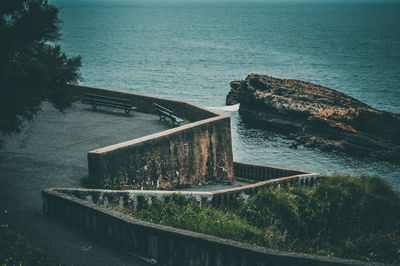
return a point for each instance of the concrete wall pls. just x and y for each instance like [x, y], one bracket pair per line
[143, 103]
[257, 173]
[134, 199]
[163, 245]
[196, 153]
[261, 176]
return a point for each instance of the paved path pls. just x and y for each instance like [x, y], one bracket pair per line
[52, 152]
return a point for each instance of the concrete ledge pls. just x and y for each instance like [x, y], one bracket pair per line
[261, 172]
[156, 135]
[197, 153]
[261, 176]
[190, 111]
[165, 245]
[218, 198]
[133, 199]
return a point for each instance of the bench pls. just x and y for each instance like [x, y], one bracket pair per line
[166, 113]
[96, 100]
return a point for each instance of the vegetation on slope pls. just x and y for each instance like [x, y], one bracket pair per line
[343, 216]
[15, 250]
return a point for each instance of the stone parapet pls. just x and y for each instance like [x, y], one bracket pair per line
[164, 245]
[196, 153]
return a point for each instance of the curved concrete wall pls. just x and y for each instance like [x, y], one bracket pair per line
[164, 245]
[143, 103]
[196, 153]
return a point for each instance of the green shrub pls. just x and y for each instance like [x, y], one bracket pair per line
[15, 250]
[342, 216]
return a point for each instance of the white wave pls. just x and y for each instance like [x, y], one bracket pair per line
[229, 108]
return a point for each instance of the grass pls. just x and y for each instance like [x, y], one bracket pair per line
[187, 214]
[344, 216]
[15, 250]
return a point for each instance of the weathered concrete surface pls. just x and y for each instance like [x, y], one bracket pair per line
[324, 118]
[249, 178]
[52, 152]
[198, 153]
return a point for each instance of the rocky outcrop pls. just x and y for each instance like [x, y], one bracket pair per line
[324, 118]
[233, 96]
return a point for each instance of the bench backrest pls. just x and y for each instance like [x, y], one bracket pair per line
[157, 106]
[107, 98]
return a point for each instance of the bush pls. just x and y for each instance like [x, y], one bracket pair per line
[15, 250]
[343, 216]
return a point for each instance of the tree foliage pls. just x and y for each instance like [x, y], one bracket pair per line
[33, 68]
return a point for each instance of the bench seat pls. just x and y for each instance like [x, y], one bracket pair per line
[164, 113]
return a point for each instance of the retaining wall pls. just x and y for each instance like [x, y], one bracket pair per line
[254, 172]
[134, 199]
[163, 245]
[261, 176]
[195, 153]
[143, 103]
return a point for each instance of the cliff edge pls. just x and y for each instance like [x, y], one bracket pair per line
[324, 118]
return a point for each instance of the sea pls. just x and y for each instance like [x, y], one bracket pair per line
[191, 50]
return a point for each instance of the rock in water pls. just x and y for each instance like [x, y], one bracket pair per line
[323, 117]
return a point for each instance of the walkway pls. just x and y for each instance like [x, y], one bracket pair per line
[52, 152]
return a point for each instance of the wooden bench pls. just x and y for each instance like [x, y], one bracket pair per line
[166, 113]
[96, 100]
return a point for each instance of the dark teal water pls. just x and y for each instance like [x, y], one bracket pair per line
[191, 51]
